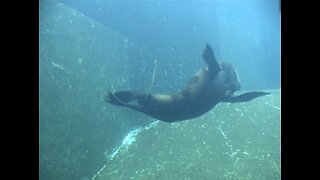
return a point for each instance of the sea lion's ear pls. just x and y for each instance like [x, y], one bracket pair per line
[245, 97]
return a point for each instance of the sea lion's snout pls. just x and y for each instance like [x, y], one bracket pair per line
[231, 78]
[235, 84]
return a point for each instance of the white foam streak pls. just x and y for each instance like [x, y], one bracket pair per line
[127, 141]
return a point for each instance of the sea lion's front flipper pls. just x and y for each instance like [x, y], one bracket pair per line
[245, 97]
[126, 98]
[208, 57]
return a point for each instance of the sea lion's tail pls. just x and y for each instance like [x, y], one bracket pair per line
[126, 98]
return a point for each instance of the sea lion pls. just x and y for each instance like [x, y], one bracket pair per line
[210, 85]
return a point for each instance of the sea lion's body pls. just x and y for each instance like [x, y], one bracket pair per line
[210, 85]
[201, 94]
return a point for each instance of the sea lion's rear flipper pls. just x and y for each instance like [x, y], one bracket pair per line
[245, 97]
[126, 98]
[208, 57]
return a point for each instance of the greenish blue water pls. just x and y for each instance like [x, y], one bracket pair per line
[87, 47]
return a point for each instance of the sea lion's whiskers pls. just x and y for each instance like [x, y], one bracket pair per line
[153, 76]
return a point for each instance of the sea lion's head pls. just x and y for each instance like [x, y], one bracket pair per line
[229, 78]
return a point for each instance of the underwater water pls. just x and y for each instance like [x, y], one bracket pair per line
[90, 46]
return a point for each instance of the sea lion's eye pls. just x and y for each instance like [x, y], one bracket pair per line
[233, 87]
[227, 79]
[193, 80]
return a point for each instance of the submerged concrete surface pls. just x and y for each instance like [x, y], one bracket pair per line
[79, 60]
[233, 141]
